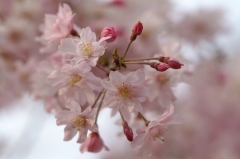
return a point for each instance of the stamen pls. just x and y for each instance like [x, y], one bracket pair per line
[162, 79]
[79, 122]
[125, 92]
[87, 49]
[75, 80]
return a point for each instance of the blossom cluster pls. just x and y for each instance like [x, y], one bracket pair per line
[77, 94]
[79, 64]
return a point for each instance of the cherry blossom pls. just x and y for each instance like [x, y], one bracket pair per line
[125, 91]
[84, 49]
[143, 142]
[60, 25]
[76, 121]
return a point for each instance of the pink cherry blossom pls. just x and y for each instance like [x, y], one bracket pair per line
[60, 25]
[143, 142]
[84, 49]
[75, 76]
[125, 91]
[76, 120]
[94, 143]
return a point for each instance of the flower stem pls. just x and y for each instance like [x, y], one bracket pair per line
[129, 44]
[145, 120]
[102, 69]
[121, 116]
[99, 107]
[97, 99]
[141, 59]
[143, 63]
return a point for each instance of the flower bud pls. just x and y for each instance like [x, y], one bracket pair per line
[127, 131]
[137, 30]
[118, 2]
[174, 63]
[161, 67]
[109, 32]
[94, 144]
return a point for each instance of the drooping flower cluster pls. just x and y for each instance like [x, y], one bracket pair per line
[77, 94]
[73, 71]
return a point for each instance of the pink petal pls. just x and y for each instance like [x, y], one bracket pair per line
[116, 78]
[67, 46]
[69, 132]
[108, 85]
[138, 141]
[74, 106]
[141, 78]
[82, 136]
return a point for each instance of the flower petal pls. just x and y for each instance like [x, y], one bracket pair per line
[67, 46]
[69, 132]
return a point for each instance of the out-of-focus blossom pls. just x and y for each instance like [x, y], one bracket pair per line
[201, 25]
[60, 25]
[76, 121]
[109, 32]
[143, 142]
[125, 91]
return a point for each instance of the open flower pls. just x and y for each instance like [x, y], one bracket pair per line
[60, 25]
[125, 91]
[84, 49]
[143, 142]
[76, 121]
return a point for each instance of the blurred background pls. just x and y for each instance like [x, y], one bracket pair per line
[208, 100]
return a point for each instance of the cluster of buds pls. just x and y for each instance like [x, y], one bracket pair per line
[167, 62]
[171, 62]
[161, 67]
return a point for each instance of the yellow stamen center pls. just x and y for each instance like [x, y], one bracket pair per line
[79, 123]
[74, 80]
[87, 49]
[125, 92]
[162, 79]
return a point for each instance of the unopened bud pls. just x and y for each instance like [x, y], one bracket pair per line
[161, 67]
[109, 32]
[118, 2]
[137, 30]
[127, 131]
[174, 63]
[93, 144]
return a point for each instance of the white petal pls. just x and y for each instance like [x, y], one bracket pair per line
[69, 132]
[108, 85]
[116, 78]
[74, 106]
[67, 46]
[138, 141]
[82, 136]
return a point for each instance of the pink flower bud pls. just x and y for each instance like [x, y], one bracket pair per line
[137, 30]
[127, 131]
[109, 32]
[118, 2]
[174, 63]
[94, 144]
[159, 66]
[162, 67]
